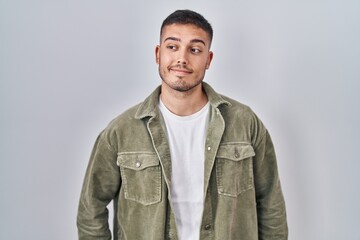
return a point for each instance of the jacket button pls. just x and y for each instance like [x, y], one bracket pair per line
[207, 227]
[138, 164]
[237, 154]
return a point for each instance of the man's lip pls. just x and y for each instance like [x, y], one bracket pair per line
[180, 70]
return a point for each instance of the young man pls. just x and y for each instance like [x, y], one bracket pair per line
[187, 163]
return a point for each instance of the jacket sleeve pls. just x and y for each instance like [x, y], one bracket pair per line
[271, 213]
[101, 184]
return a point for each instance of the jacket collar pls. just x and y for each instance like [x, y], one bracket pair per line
[148, 108]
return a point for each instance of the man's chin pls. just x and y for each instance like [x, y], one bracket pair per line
[182, 87]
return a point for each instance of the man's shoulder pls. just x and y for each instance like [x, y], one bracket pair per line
[238, 113]
[133, 117]
[225, 103]
[236, 107]
[125, 118]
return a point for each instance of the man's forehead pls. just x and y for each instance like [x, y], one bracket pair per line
[180, 31]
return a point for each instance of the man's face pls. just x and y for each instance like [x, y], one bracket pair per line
[183, 56]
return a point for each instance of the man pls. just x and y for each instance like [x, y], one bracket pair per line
[187, 163]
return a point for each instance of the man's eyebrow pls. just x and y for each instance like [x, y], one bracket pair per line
[196, 40]
[173, 39]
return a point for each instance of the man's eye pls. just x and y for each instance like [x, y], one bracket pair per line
[171, 47]
[195, 50]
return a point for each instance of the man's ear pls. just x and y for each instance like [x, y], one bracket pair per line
[157, 53]
[210, 57]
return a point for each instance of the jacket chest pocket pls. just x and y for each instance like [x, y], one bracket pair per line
[234, 168]
[141, 177]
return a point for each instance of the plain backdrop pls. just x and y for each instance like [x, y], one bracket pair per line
[68, 67]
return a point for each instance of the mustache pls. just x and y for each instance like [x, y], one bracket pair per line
[181, 67]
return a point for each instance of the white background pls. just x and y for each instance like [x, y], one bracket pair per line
[68, 67]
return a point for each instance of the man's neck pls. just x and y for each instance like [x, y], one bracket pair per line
[183, 103]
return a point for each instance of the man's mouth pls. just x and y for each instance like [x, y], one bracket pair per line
[180, 71]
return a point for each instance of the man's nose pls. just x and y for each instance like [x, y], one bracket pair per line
[182, 58]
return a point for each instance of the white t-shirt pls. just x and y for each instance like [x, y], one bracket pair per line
[186, 135]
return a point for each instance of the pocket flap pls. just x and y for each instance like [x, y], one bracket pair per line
[235, 151]
[137, 161]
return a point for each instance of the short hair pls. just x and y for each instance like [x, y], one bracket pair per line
[188, 17]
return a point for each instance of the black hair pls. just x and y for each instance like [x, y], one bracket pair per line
[188, 17]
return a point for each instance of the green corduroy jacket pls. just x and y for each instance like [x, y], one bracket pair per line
[130, 164]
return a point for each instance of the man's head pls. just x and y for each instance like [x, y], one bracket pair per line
[188, 17]
[183, 54]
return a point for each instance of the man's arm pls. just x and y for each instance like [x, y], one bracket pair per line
[272, 223]
[101, 184]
